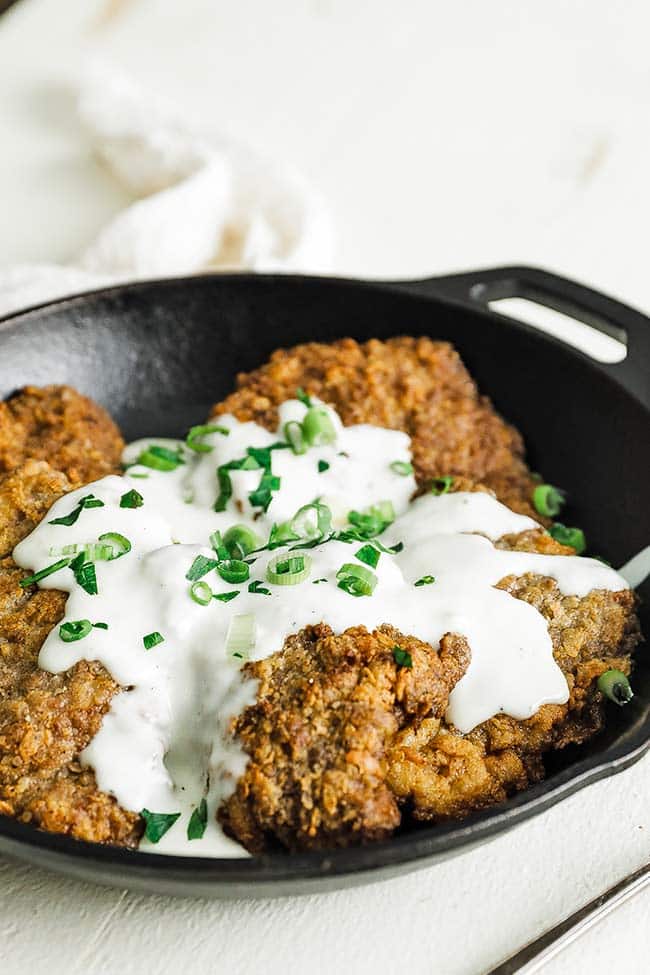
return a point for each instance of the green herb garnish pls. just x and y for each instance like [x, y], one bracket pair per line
[152, 640]
[157, 824]
[89, 501]
[84, 573]
[615, 686]
[323, 466]
[75, 630]
[368, 554]
[258, 587]
[575, 537]
[194, 439]
[442, 485]
[356, 580]
[402, 657]
[303, 397]
[548, 500]
[161, 458]
[43, 573]
[425, 581]
[225, 597]
[132, 499]
[198, 821]
[200, 567]
[402, 467]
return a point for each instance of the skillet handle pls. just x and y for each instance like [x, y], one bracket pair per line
[561, 294]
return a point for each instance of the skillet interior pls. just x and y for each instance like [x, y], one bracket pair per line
[158, 354]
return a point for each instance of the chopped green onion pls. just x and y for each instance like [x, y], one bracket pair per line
[132, 499]
[374, 520]
[84, 573]
[200, 567]
[317, 427]
[293, 433]
[356, 580]
[225, 597]
[89, 501]
[161, 458]
[233, 570]
[316, 581]
[303, 397]
[43, 573]
[574, 537]
[402, 467]
[100, 626]
[198, 821]
[157, 824]
[142, 477]
[368, 554]
[240, 540]
[201, 593]
[402, 657]
[258, 588]
[152, 640]
[323, 466]
[240, 639]
[194, 437]
[288, 570]
[548, 500]
[312, 521]
[119, 545]
[442, 485]
[262, 496]
[615, 685]
[73, 631]
[425, 581]
[281, 534]
[216, 542]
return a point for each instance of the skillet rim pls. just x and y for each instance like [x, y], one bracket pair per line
[307, 872]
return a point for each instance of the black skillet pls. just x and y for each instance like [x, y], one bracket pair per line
[157, 354]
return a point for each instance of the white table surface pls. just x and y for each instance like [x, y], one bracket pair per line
[445, 136]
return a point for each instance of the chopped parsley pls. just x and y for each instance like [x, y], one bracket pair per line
[402, 657]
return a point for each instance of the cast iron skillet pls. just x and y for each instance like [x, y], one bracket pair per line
[157, 354]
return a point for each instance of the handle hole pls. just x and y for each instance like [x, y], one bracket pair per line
[586, 338]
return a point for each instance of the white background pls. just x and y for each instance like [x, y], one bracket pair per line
[444, 136]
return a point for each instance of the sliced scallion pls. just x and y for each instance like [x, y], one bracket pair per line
[200, 567]
[75, 630]
[615, 686]
[89, 501]
[132, 499]
[402, 657]
[233, 570]
[368, 554]
[198, 821]
[43, 573]
[425, 581]
[442, 485]
[152, 640]
[194, 439]
[356, 580]
[240, 540]
[402, 467]
[201, 593]
[294, 435]
[259, 588]
[317, 427]
[118, 543]
[303, 397]
[240, 639]
[288, 570]
[323, 466]
[157, 824]
[225, 597]
[548, 500]
[575, 537]
[161, 458]
[374, 520]
[84, 573]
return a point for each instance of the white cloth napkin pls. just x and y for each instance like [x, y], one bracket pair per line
[202, 202]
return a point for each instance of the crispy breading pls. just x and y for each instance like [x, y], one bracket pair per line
[410, 384]
[327, 708]
[46, 720]
[57, 424]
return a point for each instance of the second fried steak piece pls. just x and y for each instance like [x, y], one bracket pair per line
[47, 719]
[59, 425]
[410, 384]
[327, 708]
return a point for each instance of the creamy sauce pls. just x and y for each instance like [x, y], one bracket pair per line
[163, 745]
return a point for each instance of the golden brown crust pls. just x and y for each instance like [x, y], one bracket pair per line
[46, 720]
[57, 424]
[411, 384]
[327, 707]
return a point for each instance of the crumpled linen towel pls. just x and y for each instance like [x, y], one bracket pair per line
[202, 202]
